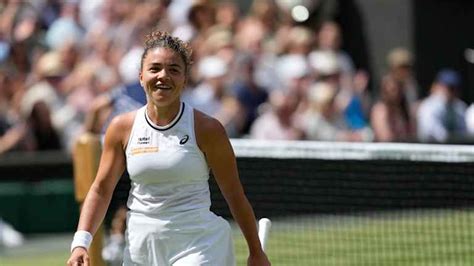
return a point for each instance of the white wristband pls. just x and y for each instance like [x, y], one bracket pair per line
[81, 239]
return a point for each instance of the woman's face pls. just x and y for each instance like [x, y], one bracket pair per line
[163, 76]
[392, 90]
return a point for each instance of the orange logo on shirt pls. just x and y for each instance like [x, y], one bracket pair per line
[140, 150]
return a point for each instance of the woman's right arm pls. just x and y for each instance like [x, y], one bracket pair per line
[111, 167]
[380, 124]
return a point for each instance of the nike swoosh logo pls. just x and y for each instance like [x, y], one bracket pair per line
[184, 140]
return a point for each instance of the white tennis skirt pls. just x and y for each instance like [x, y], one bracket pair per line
[181, 239]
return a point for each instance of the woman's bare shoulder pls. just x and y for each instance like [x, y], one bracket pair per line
[123, 121]
[120, 127]
[207, 129]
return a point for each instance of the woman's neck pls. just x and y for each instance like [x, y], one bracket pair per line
[163, 115]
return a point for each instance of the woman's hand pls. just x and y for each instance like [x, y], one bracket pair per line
[79, 257]
[258, 260]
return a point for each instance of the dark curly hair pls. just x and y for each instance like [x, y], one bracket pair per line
[163, 39]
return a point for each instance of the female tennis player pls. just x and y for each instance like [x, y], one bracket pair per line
[168, 149]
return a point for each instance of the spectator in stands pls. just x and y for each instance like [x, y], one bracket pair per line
[228, 15]
[266, 12]
[251, 38]
[213, 97]
[21, 35]
[200, 16]
[66, 28]
[391, 119]
[362, 98]
[15, 134]
[114, 100]
[323, 120]
[295, 77]
[400, 63]
[441, 116]
[299, 40]
[11, 92]
[277, 122]
[30, 130]
[50, 90]
[351, 97]
[220, 42]
[329, 38]
[105, 32]
[250, 95]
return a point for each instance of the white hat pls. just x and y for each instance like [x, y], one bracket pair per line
[292, 66]
[321, 93]
[129, 65]
[51, 64]
[324, 62]
[212, 67]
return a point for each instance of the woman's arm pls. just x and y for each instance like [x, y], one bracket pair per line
[213, 141]
[112, 165]
[380, 123]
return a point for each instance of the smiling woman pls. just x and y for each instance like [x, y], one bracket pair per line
[168, 148]
[164, 70]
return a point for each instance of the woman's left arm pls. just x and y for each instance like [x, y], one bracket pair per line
[216, 146]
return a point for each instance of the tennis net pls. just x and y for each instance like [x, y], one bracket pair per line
[359, 203]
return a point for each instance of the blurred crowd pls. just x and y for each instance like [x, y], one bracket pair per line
[68, 66]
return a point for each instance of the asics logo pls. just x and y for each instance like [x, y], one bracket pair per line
[184, 140]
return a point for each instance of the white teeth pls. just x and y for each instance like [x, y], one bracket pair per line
[163, 87]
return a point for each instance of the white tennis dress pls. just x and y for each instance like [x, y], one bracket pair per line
[169, 221]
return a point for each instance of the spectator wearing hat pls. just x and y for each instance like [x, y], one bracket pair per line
[212, 95]
[400, 67]
[298, 40]
[391, 119]
[49, 93]
[295, 77]
[350, 97]
[324, 120]
[329, 38]
[441, 116]
[36, 128]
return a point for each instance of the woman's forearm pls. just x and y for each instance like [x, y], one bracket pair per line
[243, 214]
[94, 209]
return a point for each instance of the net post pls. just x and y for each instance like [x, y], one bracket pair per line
[86, 155]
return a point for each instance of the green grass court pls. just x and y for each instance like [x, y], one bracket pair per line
[417, 238]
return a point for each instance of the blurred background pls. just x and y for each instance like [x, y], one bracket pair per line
[315, 71]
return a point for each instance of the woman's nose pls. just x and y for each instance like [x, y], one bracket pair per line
[163, 74]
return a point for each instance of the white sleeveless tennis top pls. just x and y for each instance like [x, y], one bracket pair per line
[167, 169]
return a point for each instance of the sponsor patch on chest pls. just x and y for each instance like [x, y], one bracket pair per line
[141, 150]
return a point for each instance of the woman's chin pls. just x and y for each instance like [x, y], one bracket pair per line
[162, 101]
